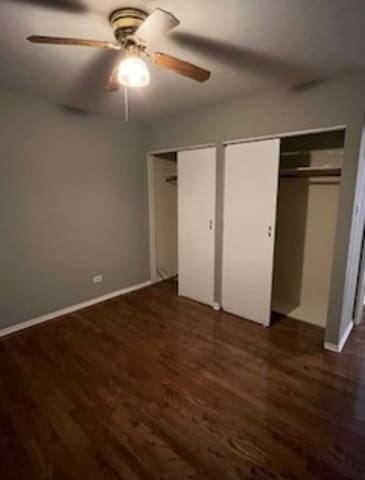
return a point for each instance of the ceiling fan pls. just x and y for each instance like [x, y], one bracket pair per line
[134, 31]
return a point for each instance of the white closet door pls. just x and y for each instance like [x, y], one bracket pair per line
[196, 214]
[250, 198]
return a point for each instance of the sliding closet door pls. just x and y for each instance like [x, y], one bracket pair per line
[250, 197]
[196, 213]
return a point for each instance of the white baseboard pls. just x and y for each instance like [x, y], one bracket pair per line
[73, 308]
[337, 348]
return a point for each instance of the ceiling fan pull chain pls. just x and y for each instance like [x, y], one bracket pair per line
[126, 105]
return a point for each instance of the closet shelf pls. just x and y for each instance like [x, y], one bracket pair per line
[311, 172]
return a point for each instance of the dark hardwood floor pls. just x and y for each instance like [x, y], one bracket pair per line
[150, 385]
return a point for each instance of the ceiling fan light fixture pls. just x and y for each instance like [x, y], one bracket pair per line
[134, 31]
[133, 72]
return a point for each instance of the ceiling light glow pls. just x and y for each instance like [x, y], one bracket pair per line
[133, 72]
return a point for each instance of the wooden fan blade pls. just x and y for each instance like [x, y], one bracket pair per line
[113, 84]
[72, 42]
[156, 25]
[180, 66]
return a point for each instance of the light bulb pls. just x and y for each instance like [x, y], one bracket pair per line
[133, 72]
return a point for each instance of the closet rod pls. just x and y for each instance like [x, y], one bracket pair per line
[299, 152]
[304, 152]
[171, 179]
[310, 172]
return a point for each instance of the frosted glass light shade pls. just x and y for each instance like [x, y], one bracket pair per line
[133, 72]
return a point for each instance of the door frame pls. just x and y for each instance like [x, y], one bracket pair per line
[151, 202]
[294, 133]
[359, 309]
[219, 145]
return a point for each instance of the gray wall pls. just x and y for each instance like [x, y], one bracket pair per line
[73, 196]
[73, 204]
[336, 102]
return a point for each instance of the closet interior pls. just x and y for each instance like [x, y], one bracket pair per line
[164, 205]
[308, 191]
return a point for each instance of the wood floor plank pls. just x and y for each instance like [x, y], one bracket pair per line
[150, 385]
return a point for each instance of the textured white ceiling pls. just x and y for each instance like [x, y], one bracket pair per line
[249, 45]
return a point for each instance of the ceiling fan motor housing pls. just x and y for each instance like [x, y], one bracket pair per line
[125, 22]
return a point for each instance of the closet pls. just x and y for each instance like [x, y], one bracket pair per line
[163, 206]
[182, 220]
[280, 211]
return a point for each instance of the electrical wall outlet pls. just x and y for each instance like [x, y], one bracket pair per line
[98, 279]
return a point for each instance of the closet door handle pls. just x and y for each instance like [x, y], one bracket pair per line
[269, 232]
[210, 224]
